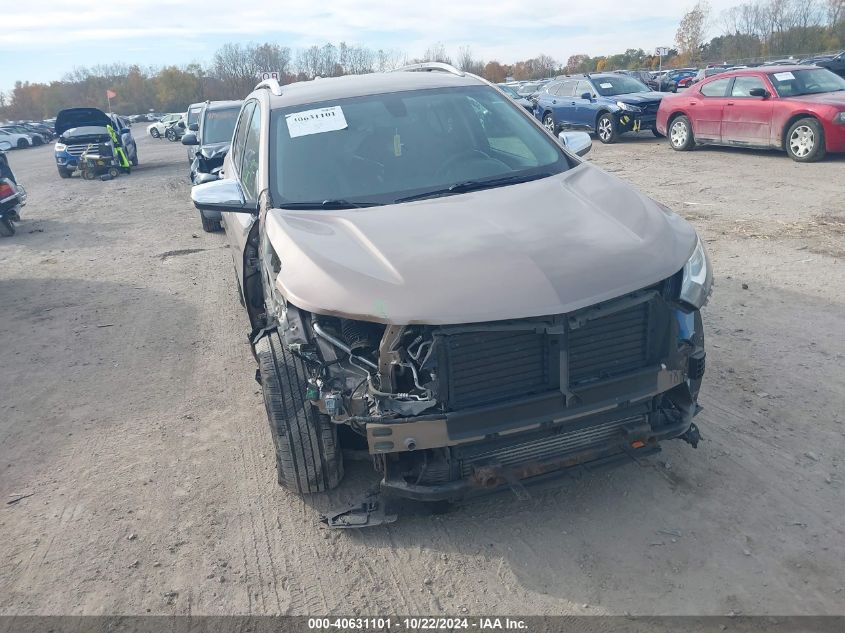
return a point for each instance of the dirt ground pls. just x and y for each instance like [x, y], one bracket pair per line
[129, 412]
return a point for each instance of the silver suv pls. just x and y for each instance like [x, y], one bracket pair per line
[434, 278]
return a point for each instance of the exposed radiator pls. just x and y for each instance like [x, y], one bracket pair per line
[609, 346]
[486, 367]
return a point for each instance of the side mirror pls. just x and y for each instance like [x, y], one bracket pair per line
[194, 127]
[759, 92]
[587, 96]
[576, 142]
[223, 196]
[190, 139]
[203, 178]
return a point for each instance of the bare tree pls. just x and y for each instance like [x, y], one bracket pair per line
[437, 53]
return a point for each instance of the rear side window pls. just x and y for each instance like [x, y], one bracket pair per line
[716, 88]
[744, 85]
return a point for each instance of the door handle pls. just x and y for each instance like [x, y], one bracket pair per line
[692, 103]
[571, 103]
[730, 102]
[554, 100]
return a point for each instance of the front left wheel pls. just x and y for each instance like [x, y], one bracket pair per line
[606, 129]
[155, 133]
[549, 123]
[210, 226]
[805, 141]
[680, 134]
[308, 454]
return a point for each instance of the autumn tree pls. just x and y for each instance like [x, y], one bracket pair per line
[692, 32]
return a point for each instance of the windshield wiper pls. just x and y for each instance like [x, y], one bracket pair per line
[327, 204]
[473, 185]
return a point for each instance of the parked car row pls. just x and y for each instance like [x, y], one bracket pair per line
[502, 347]
[26, 134]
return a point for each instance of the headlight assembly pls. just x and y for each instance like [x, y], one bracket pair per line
[698, 278]
[60, 147]
[839, 118]
[627, 107]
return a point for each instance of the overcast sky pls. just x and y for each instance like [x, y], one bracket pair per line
[41, 40]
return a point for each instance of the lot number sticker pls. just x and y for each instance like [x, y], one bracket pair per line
[606, 85]
[315, 121]
[784, 76]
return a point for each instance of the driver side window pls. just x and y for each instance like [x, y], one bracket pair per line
[239, 138]
[250, 161]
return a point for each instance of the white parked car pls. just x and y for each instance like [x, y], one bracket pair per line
[17, 140]
[156, 130]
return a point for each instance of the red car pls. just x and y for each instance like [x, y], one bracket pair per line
[797, 109]
[686, 82]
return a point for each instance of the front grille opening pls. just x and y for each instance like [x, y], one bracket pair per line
[609, 346]
[491, 366]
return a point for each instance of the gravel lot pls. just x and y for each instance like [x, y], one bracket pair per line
[130, 414]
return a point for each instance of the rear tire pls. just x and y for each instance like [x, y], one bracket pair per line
[7, 228]
[805, 141]
[308, 455]
[210, 226]
[680, 133]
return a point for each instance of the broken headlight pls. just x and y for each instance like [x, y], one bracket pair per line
[698, 278]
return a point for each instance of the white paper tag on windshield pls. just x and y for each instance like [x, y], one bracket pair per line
[606, 85]
[784, 76]
[315, 121]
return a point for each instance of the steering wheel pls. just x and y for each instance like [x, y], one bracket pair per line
[469, 155]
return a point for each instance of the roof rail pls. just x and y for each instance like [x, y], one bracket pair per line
[429, 67]
[272, 85]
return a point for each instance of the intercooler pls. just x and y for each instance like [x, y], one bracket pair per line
[545, 446]
[490, 366]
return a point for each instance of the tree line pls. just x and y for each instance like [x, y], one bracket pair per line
[750, 31]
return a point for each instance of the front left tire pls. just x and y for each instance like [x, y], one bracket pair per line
[680, 134]
[606, 128]
[549, 122]
[308, 454]
[805, 141]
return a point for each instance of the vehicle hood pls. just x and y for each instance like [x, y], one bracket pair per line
[639, 98]
[80, 117]
[823, 98]
[544, 247]
[214, 150]
[85, 133]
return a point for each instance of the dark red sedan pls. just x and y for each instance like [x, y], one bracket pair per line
[797, 109]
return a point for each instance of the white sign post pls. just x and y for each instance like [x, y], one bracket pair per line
[268, 74]
[661, 51]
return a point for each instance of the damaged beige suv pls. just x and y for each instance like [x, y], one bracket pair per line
[433, 278]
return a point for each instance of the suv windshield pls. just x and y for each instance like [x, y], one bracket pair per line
[806, 82]
[407, 144]
[218, 125]
[617, 85]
